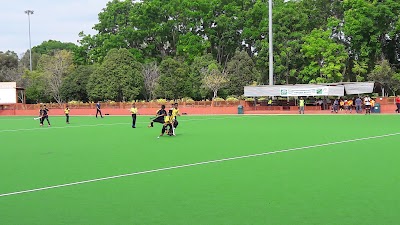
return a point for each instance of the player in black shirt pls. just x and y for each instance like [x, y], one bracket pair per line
[159, 116]
[98, 110]
[43, 114]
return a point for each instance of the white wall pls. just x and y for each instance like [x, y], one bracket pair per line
[8, 92]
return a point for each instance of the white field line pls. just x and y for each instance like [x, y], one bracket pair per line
[110, 124]
[195, 164]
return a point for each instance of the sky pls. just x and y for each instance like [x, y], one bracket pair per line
[60, 20]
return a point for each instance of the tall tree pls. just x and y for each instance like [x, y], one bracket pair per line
[74, 85]
[386, 75]
[213, 79]
[290, 27]
[196, 76]
[55, 68]
[151, 74]
[119, 77]
[36, 90]
[325, 58]
[50, 47]
[173, 81]
[241, 72]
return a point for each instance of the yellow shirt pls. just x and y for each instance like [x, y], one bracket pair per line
[350, 102]
[174, 112]
[372, 103]
[167, 119]
[302, 102]
[66, 110]
[134, 110]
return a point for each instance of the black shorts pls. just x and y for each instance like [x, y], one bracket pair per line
[159, 119]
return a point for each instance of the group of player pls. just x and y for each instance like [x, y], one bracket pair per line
[167, 119]
[44, 115]
[348, 104]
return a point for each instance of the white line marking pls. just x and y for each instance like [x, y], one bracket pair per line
[195, 164]
[109, 124]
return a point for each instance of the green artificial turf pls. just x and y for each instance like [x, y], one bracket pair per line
[354, 182]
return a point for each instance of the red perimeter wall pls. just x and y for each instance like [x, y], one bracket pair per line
[197, 108]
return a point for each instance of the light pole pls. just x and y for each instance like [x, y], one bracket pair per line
[29, 12]
[271, 51]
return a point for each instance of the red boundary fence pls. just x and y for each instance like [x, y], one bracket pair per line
[190, 108]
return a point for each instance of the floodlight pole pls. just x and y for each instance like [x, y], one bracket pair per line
[271, 51]
[29, 12]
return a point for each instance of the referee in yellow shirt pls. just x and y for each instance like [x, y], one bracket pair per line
[66, 111]
[133, 111]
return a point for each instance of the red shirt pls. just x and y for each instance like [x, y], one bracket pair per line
[397, 99]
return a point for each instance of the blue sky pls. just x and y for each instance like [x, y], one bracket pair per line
[60, 20]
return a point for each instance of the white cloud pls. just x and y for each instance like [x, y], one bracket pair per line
[58, 20]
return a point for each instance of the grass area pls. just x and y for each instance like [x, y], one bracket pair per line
[341, 183]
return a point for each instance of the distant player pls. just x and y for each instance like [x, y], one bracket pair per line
[66, 111]
[349, 105]
[367, 103]
[358, 103]
[175, 113]
[301, 105]
[167, 125]
[98, 109]
[161, 113]
[397, 100]
[44, 115]
[133, 111]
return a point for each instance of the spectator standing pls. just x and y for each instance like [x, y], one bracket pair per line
[358, 103]
[301, 105]
[398, 103]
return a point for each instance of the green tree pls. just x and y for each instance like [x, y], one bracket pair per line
[196, 77]
[36, 90]
[325, 58]
[386, 75]
[213, 79]
[360, 68]
[74, 85]
[52, 46]
[173, 82]
[191, 45]
[241, 72]
[118, 78]
[25, 60]
[290, 27]
[55, 68]
[8, 60]
[151, 74]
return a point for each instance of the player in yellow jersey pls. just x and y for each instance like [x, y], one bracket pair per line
[349, 106]
[167, 126]
[175, 113]
[134, 112]
[66, 111]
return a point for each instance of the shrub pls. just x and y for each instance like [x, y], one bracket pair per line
[188, 100]
[161, 100]
[249, 99]
[262, 99]
[73, 102]
[218, 99]
[232, 99]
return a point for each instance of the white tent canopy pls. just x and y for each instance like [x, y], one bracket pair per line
[332, 89]
[293, 90]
